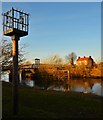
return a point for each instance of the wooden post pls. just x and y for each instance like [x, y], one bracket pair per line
[68, 75]
[15, 73]
[69, 81]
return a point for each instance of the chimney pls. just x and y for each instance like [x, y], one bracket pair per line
[78, 58]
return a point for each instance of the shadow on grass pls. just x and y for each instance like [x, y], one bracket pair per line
[35, 103]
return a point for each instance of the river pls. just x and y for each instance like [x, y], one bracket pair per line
[87, 86]
[92, 86]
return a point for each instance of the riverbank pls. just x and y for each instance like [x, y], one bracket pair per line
[83, 72]
[86, 77]
[42, 104]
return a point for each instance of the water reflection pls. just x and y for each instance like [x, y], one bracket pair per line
[57, 88]
[98, 89]
[81, 86]
[94, 86]
[29, 83]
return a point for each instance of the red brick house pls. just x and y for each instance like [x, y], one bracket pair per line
[86, 61]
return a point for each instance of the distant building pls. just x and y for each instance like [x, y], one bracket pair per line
[86, 61]
[37, 61]
[28, 70]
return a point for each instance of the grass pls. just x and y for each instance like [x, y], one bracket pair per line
[42, 104]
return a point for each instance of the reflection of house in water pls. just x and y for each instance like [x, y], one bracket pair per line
[86, 61]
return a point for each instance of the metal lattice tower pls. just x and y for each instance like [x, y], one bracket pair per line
[15, 25]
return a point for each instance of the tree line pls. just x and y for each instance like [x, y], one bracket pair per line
[56, 60]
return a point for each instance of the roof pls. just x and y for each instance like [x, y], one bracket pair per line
[83, 58]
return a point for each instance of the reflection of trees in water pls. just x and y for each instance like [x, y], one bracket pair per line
[45, 83]
[45, 78]
[73, 85]
[42, 78]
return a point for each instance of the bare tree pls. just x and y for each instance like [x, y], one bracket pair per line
[6, 54]
[54, 60]
[71, 58]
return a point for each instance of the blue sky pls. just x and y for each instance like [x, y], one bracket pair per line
[61, 28]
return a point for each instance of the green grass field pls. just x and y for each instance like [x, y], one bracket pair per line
[42, 104]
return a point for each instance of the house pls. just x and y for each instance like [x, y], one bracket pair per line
[86, 61]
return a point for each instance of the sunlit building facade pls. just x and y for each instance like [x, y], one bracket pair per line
[86, 61]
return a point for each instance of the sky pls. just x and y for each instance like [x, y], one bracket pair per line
[61, 28]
